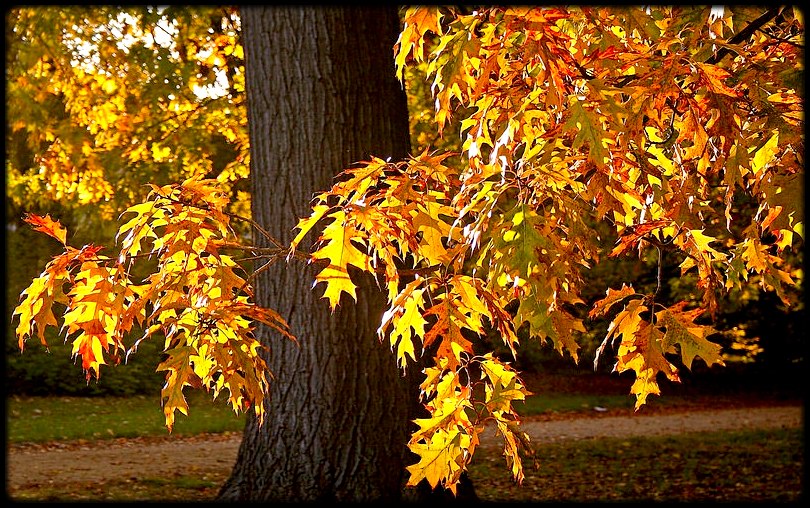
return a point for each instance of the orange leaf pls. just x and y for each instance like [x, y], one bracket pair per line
[613, 296]
[448, 328]
[48, 226]
[633, 234]
[715, 79]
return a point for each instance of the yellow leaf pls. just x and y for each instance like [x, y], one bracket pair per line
[306, 224]
[503, 386]
[340, 252]
[428, 222]
[755, 255]
[766, 154]
[337, 281]
[465, 287]
[448, 410]
[35, 309]
[642, 353]
[338, 248]
[441, 459]
[417, 21]
[159, 153]
[404, 315]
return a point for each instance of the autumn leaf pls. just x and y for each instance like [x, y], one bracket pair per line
[580, 136]
[624, 325]
[633, 234]
[433, 230]
[441, 459]
[589, 132]
[417, 22]
[613, 296]
[503, 386]
[715, 78]
[406, 321]
[643, 353]
[681, 330]
[35, 310]
[180, 374]
[339, 251]
[564, 340]
[448, 331]
[305, 225]
[48, 226]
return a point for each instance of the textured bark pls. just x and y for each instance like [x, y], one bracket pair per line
[321, 95]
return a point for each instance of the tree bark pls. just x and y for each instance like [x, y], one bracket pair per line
[321, 94]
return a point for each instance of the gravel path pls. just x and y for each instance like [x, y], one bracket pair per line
[139, 458]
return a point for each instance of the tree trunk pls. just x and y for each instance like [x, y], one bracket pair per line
[322, 94]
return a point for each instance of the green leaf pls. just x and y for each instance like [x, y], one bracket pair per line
[588, 132]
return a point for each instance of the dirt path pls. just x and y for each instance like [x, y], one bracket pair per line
[144, 458]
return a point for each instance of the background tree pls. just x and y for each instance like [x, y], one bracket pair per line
[104, 100]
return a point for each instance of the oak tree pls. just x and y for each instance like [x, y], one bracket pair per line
[320, 95]
[678, 129]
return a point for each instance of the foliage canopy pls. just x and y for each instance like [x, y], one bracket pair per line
[679, 129]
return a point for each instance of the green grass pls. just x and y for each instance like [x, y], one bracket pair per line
[43, 419]
[743, 466]
[724, 466]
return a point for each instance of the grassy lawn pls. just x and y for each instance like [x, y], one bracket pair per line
[750, 466]
[725, 466]
[43, 419]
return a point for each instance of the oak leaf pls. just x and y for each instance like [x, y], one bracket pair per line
[47, 225]
[441, 459]
[681, 330]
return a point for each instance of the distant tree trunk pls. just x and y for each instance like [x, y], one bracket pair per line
[321, 95]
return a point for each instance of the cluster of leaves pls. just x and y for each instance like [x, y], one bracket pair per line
[657, 123]
[678, 129]
[195, 297]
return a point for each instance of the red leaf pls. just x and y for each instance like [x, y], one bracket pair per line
[48, 226]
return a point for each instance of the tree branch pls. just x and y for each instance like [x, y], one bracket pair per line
[745, 33]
